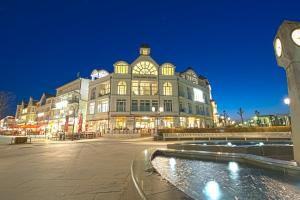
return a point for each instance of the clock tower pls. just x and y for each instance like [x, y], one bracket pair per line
[287, 51]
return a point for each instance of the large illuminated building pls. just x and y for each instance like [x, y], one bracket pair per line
[144, 95]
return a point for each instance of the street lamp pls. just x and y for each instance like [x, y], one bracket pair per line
[287, 101]
[161, 109]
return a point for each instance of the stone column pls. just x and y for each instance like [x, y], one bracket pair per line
[287, 50]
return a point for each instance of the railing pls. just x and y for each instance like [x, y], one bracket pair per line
[226, 136]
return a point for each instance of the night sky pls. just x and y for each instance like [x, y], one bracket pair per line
[44, 44]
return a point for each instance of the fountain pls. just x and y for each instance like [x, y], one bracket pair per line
[231, 169]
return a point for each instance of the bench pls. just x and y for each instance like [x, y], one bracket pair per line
[20, 140]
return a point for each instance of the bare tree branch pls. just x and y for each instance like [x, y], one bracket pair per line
[6, 100]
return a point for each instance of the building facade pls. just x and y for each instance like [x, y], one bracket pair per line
[145, 95]
[7, 123]
[43, 112]
[70, 105]
[26, 114]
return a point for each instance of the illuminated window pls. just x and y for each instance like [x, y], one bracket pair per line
[92, 108]
[167, 69]
[121, 68]
[120, 122]
[167, 88]
[144, 68]
[154, 89]
[145, 88]
[103, 105]
[104, 89]
[135, 87]
[168, 122]
[198, 95]
[122, 88]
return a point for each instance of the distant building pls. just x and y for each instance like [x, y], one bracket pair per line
[7, 123]
[271, 120]
[44, 108]
[144, 95]
[26, 114]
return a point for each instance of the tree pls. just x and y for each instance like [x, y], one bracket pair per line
[6, 99]
[240, 113]
[257, 113]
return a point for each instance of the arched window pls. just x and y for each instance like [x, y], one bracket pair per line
[167, 88]
[121, 68]
[144, 68]
[167, 69]
[122, 88]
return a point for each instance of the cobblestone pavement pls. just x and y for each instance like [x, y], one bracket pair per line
[96, 169]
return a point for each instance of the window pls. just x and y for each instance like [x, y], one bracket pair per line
[190, 108]
[197, 109]
[155, 105]
[183, 122]
[154, 89]
[122, 88]
[167, 88]
[93, 94]
[198, 95]
[207, 112]
[189, 92]
[167, 69]
[120, 122]
[121, 68]
[92, 108]
[103, 105]
[144, 68]
[182, 91]
[134, 105]
[121, 105]
[168, 105]
[135, 87]
[145, 88]
[181, 107]
[145, 105]
[104, 89]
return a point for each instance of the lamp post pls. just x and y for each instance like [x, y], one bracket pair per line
[161, 109]
[74, 109]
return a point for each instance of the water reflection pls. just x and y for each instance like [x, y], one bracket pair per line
[233, 168]
[231, 180]
[212, 190]
[172, 163]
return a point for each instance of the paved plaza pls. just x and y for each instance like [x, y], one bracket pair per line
[95, 169]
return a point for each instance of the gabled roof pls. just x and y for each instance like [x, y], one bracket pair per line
[47, 95]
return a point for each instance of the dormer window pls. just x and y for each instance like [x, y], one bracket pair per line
[121, 68]
[167, 70]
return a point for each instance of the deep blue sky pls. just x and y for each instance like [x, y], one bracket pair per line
[44, 44]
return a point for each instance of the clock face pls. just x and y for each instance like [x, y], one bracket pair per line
[296, 36]
[278, 47]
